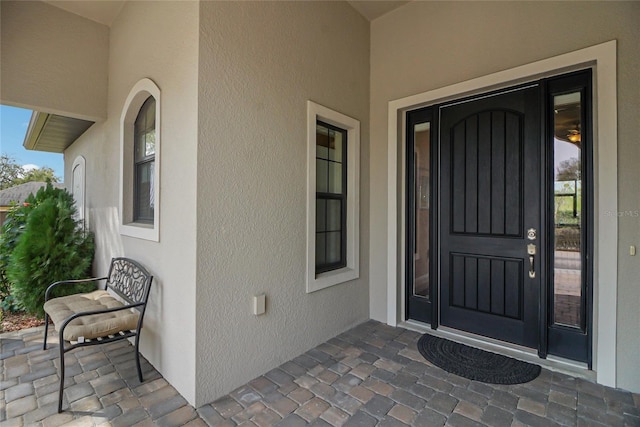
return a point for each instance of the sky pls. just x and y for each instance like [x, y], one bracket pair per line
[13, 127]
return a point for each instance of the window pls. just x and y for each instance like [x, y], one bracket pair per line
[78, 188]
[139, 167]
[332, 197]
[145, 155]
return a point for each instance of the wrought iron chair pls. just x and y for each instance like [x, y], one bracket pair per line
[99, 317]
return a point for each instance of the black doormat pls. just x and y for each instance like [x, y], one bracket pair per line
[475, 364]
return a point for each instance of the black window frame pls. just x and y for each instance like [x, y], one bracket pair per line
[140, 160]
[326, 267]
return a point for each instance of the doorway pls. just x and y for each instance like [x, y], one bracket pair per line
[499, 215]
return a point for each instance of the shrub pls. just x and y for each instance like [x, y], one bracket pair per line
[11, 230]
[49, 247]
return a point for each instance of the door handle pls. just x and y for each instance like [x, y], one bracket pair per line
[531, 250]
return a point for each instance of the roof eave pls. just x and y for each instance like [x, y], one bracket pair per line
[53, 133]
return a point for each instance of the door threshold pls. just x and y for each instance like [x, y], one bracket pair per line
[552, 363]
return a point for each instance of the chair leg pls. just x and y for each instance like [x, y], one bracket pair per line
[138, 357]
[46, 330]
[61, 391]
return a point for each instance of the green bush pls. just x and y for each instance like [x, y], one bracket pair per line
[11, 231]
[50, 246]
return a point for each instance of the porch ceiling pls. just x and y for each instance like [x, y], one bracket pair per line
[105, 12]
[54, 133]
[375, 9]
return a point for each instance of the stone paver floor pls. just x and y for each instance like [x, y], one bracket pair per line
[371, 375]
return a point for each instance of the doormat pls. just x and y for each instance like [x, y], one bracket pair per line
[475, 364]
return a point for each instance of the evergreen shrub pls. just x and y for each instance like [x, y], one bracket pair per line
[46, 244]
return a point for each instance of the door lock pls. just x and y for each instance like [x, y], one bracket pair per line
[531, 251]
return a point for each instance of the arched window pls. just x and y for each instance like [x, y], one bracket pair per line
[140, 162]
[144, 162]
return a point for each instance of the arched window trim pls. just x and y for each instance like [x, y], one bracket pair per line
[137, 96]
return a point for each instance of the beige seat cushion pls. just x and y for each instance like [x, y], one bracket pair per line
[94, 326]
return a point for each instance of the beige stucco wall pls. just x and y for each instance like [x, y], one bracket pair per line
[428, 45]
[259, 64]
[157, 40]
[63, 72]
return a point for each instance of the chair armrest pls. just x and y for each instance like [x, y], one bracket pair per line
[70, 282]
[91, 313]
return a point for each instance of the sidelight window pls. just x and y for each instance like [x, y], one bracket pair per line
[568, 199]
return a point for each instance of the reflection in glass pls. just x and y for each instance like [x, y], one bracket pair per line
[144, 159]
[321, 248]
[331, 144]
[422, 212]
[145, 130]
[333, 247]
[335, 149]
[322, 176]
[335, 177]
[568, 195]
[334, 214]
[321, 215]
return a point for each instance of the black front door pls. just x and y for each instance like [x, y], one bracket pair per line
[500, 215]
[491, 241]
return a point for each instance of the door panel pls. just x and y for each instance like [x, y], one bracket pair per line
[490, 191]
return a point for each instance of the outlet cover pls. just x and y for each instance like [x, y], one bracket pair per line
[259, 304]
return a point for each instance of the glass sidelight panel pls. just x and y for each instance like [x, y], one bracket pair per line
[568, 211]
[422, 212]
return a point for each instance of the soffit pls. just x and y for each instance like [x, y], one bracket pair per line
[53, 133]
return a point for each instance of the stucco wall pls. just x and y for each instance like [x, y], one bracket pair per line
[259, 64]
[158, 40]
[428, 45]
[63, 72]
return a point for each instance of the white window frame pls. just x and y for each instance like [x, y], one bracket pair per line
[137, 96]
[316, 282]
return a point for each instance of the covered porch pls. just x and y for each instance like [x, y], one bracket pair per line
[369, 375]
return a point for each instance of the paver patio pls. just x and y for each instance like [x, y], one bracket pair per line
[371, 375]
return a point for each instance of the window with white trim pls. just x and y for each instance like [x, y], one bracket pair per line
[333, 159]
[139, 162]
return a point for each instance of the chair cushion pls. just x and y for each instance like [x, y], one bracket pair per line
[96, 325]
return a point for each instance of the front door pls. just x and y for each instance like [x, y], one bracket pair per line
[500, 215]
[490, 215]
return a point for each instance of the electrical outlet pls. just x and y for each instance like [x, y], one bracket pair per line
[632, 250]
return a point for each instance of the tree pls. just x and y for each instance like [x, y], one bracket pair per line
[9, 171]
[43, 174]
[569, 169]
[12, 174]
